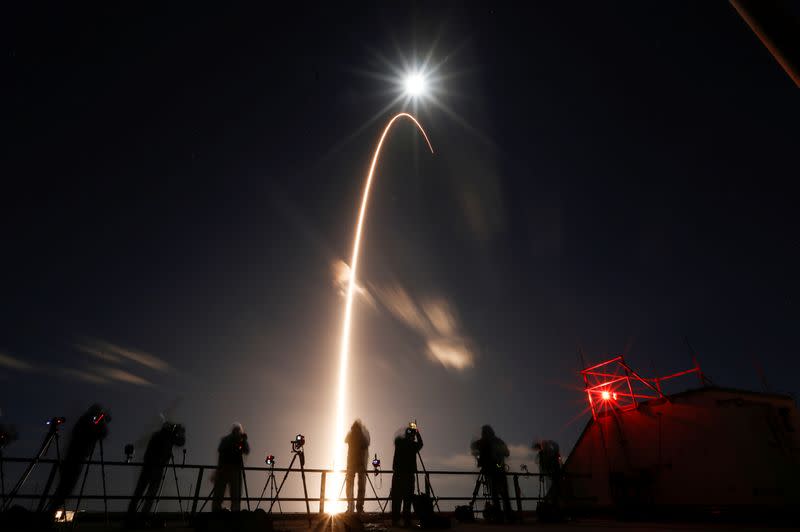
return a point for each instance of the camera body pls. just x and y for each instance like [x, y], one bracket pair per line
[376, 462]
[270, 460]
[297, 443]
[241, 442]
[55, 422]
[101, 418]
[177, 433]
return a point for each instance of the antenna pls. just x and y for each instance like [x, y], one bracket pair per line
[705, 381]
[760, 370]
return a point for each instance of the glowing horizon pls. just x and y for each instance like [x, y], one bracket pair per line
[331, 495]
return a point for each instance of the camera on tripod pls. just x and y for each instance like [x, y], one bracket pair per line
[177, 433]
[297, 443]
[376, 464]
[55, 422]
[270, 460]
[101, 418]
[129, 452]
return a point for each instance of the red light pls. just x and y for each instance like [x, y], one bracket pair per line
[605, 395]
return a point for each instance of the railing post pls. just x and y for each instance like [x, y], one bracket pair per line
[518, 493]
[322, 492]
[197, 485]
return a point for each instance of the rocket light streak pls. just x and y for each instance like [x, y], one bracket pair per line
[344, 354]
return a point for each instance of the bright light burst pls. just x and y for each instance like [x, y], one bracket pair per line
[334, 505]
[415, 85]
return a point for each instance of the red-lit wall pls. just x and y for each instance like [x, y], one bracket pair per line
[704, 448]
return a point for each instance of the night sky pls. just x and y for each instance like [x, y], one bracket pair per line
[180, 183]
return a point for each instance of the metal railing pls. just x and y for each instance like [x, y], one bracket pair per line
[197, 499]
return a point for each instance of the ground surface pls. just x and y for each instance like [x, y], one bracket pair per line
[376, 524]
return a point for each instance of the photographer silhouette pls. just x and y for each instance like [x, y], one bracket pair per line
[91, 427]
[156, 457]
[357, 456]
[491, 453]
[404, 467]
[232, 449]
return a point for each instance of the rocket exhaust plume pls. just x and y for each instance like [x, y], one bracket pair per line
[344, 352]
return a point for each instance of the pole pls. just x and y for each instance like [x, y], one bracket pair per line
[518, 494]
[197, 489]
[3, 481]
[103, 475]
[305, 490]
[322, 492]
[177, 487]
[246, 494]
[776, 27]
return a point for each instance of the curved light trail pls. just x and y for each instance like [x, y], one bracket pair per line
[344, 354]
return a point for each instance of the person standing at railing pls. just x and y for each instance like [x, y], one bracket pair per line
[404, 467]
[232, 449]
[156, 458]
[357, 441]
[491, 453]
[548, 458]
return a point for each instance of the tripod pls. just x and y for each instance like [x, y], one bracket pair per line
[211, 493]
[102, 474]
[486, 495]
[495, 491]
[301, 454]
[2, 481]
[273, 486]
[163, 481]
[428, 487]
[374, 492]
[52, 435]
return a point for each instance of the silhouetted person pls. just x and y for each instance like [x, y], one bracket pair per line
[357, 441]
[231, 450]
[404, 467]
[491, 453]
[549, 459]
[90, 428]
[156, 458]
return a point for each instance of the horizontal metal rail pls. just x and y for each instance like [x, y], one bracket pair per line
[197, 499]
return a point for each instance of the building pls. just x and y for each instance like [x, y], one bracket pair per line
[709, 450]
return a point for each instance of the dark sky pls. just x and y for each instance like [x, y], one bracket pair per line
[178, 182]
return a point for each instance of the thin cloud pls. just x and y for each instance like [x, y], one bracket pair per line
[434, 318]
[518, 454]
[436, 321]
[84, 375]
[451, 353]
[10, 362]
[124, 376]
[114, 353]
